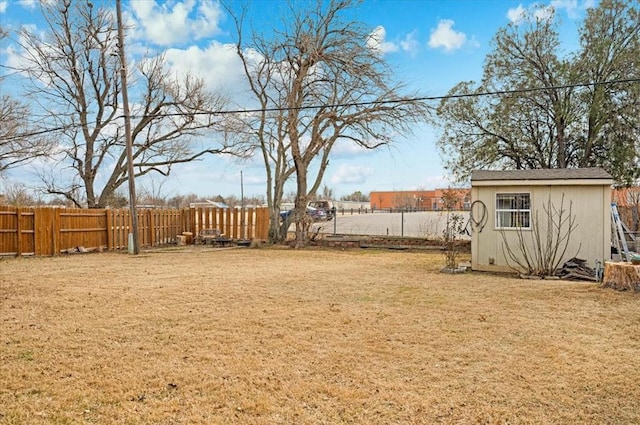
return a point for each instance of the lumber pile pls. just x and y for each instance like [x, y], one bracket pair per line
[621, 276]
[577, 269]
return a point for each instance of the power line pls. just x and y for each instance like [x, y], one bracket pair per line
[353, 104]
[408, 100]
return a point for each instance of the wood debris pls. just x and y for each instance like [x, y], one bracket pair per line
[577, 269]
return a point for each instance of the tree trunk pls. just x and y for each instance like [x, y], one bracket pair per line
[300, 213]
[621, 276]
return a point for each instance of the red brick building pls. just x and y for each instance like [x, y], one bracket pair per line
[429, 200]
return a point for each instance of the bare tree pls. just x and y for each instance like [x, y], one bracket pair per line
[18, 195]
[182, 201]
[403, 201]
[540, 250]
[327, 192]
[356, 196]
[151, 193]
[19, 141]
[73, 69]
[317, 82]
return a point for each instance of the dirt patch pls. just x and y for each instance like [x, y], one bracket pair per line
[264, 336]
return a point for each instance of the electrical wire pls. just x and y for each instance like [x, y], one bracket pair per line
[342, 105]
[411, 99]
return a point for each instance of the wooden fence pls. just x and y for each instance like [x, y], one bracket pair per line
[51, 231]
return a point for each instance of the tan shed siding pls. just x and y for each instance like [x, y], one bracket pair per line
[589, 205]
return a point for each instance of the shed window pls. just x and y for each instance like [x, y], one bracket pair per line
[513, 210]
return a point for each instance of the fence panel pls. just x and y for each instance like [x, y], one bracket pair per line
[50, 231]
[26, 231]
[164, 226]
[10, 231]
[261, 228]
[81, 227]
[118, 229]
[235, 223]
[17, 236]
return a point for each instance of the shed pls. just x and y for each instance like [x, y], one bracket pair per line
[509, 208]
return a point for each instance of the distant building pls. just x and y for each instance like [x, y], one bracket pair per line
[425, 200]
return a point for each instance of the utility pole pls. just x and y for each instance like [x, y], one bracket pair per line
[242, 206]
[134, 247]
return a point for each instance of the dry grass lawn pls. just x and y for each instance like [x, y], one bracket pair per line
[279, 336]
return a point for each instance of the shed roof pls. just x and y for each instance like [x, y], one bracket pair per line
[542, 174]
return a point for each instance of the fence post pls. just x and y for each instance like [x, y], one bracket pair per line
[55, 231]
[228, 227]
[192, 217]
[152, 227]
[19, 230]
[249, 224]
[109, 219]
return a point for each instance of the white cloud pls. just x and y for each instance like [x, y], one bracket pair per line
[516, 14]
[217, 64]
[3, 6]
[446, 37]
[351, 174]
[178, 22]
[377, 42]
[571, 6]
[544, 13]
[344, 148]
[534, 11]
[435, 182]
[410, 43]
[32, 4]
[28, 4]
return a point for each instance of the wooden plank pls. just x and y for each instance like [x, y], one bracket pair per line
[42, 231]
[55, 232]
[142, 227]
[236, 223]
[27, 233]
[152, 226]
[262, 224]
[192, 218]
[10, 236]
[109, 230]
[228, 230]
[83, 230]
[210, 220]
[250, 226]
[19, 247]
[80, 213]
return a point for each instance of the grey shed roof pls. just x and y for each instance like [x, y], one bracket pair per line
[544, 174]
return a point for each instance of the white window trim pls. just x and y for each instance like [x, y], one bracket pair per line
[495, 199]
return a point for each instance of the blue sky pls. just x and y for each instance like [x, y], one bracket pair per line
[431, 44]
